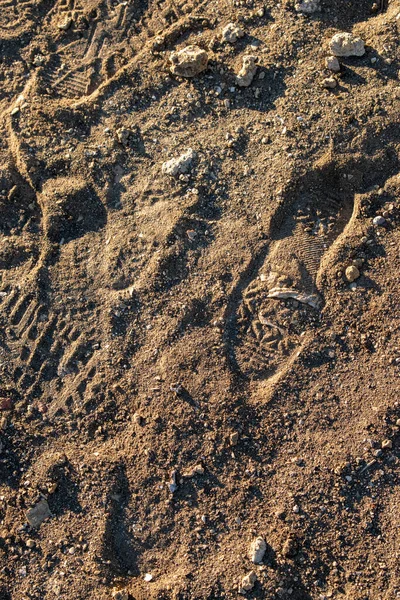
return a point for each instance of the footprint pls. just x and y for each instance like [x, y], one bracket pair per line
[281, 300]
[113, 35]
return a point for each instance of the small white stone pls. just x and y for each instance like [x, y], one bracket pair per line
[231, 33]
[332, 63]
[182, 164]
[307, 7]
[148, 577]
[346, 44]
[247, 72]
[189, 61]
[257, 550]
[247, 583]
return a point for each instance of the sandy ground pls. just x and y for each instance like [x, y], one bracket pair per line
[193, 360]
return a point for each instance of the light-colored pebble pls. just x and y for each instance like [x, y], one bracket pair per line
[231, 33]
[346, 44]
[330, 83]
[189, 61]
[247, 583]
[247, 72]
[307, 7]
[257, 550]
[387, 444]
[332, 63]
[379, 220]
[352, 273]
[182, 164]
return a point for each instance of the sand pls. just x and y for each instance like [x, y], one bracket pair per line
[192, 358]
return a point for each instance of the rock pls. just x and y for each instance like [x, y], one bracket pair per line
[231, 33]
[30, 544]
[387, 444]
[257, 550]
[119, 594]
[352, 273]
[173, 486]
[234, 438]
[248, 70]
[307, 7]
[247, 583]
[123, 135]
[379, 221]
[332, 63]
[330, 83]
[148, 577]
[65, 24]
[182, 164]
[5, 403]
[189, 61]
[36, 515]
[346, 44]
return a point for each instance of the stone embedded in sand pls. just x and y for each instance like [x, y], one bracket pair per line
[36, 515]
[123, 135]
[182, 164]
[330, 83]
[346, 44]
[231, 33]
[352, 273]
[248, 70]
[247, 583]
[332, 63]
[307, 7]
[257, 550]
[189, 61]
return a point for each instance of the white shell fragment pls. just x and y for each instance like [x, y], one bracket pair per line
[313, 300]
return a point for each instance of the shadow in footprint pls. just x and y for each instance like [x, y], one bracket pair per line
[120, 548]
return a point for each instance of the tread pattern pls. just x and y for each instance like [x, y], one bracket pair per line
[268, 330]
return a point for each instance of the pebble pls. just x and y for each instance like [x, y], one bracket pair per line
[257, 550]
[332, 63]
[346, 44]
[330, 83]
[379, 221]
[30, 544]
[247, 72]
[352, 273]
[387, 444]
[231, 33]
[123, 135]
[296, 509]
[247, 583]
[189, 61]
[148, 577]
[173, 486]
[36, 515]
[307, 7]
[182, 164]
[234, 438]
